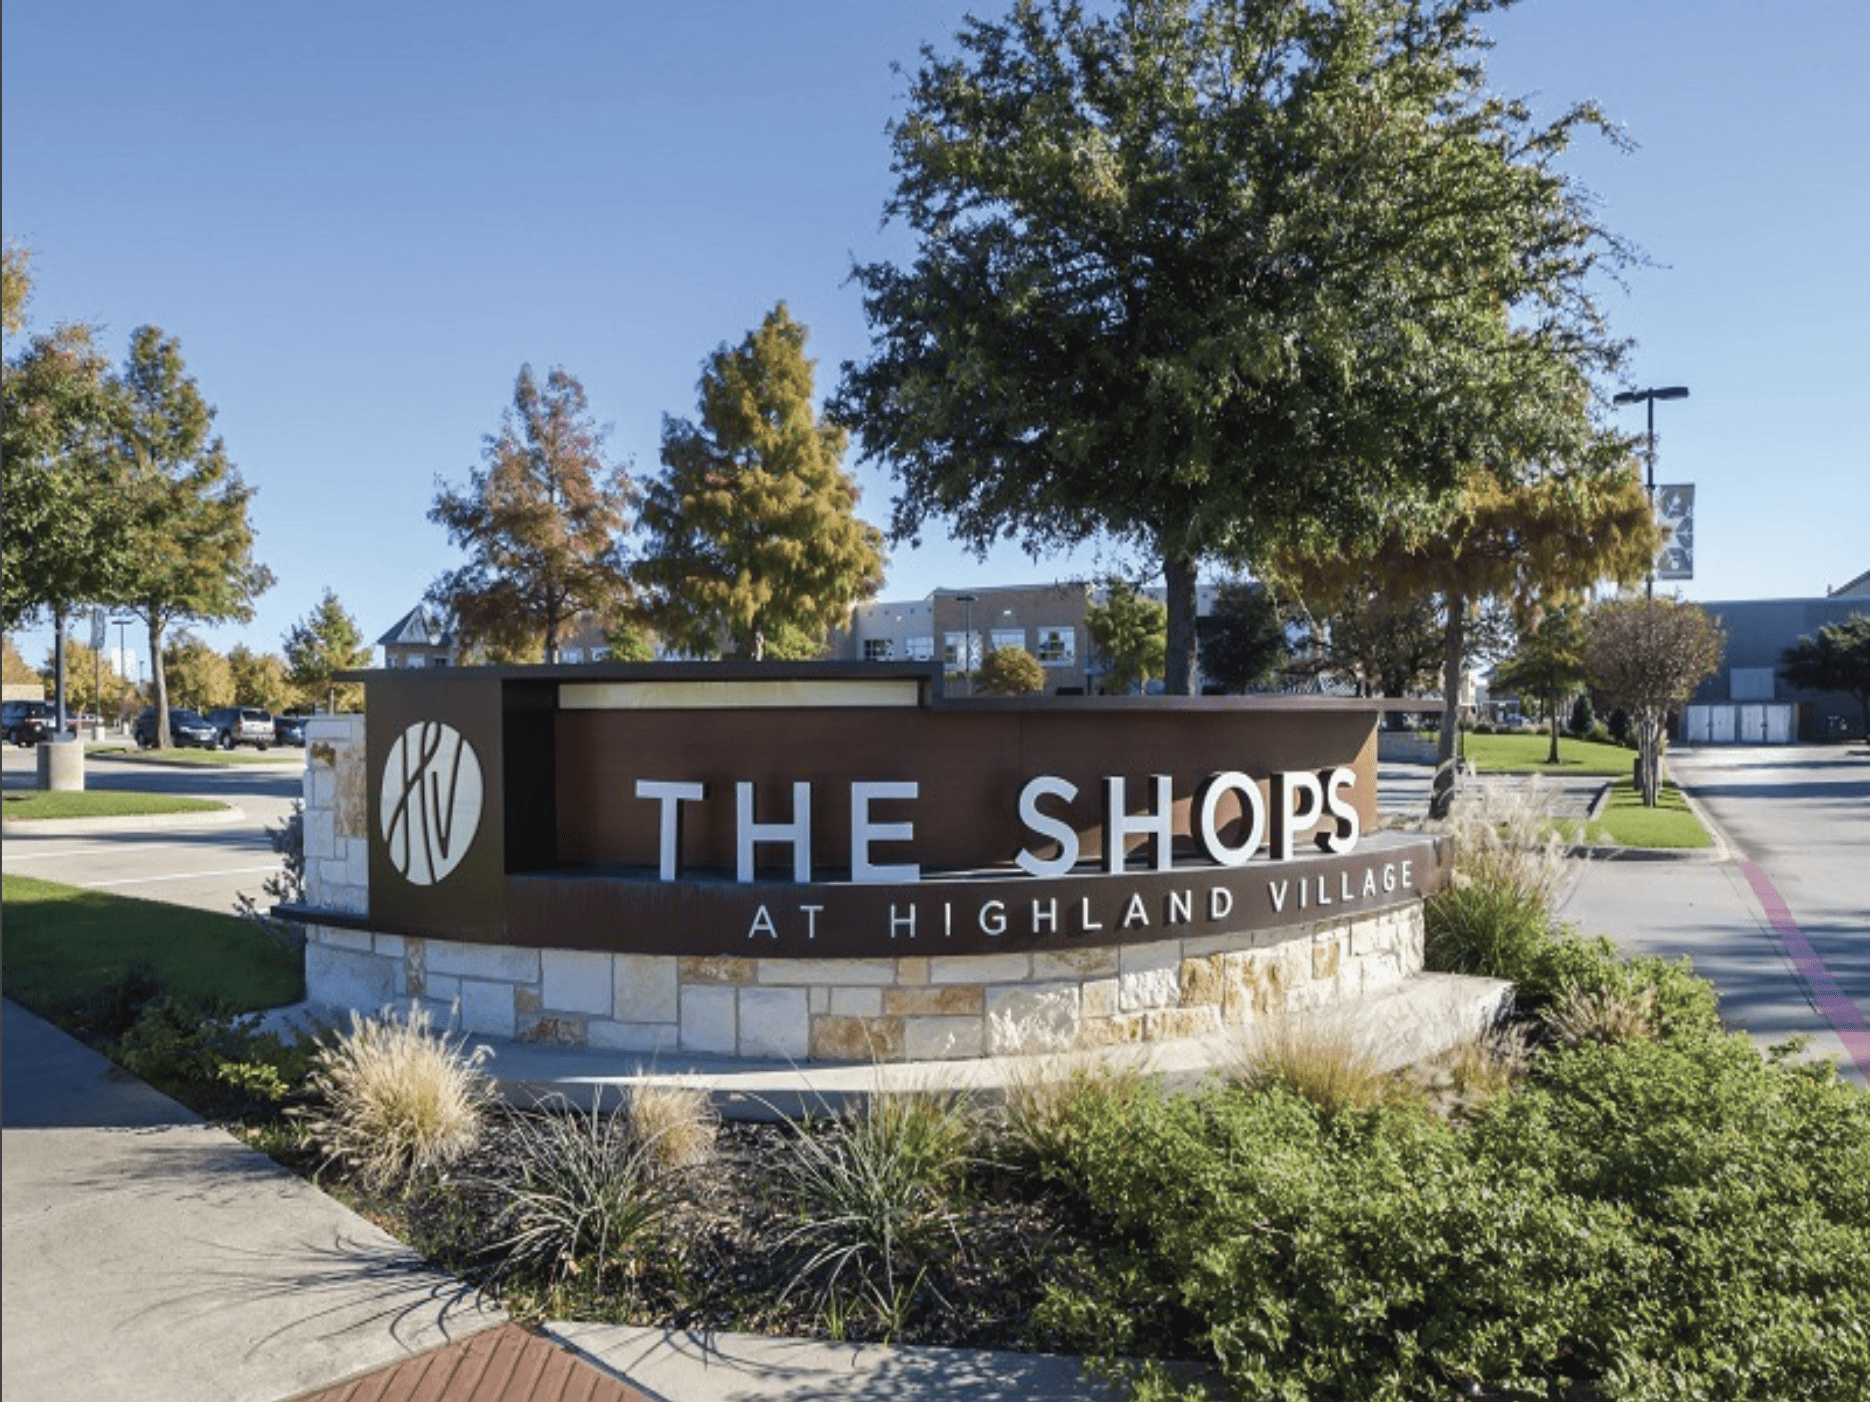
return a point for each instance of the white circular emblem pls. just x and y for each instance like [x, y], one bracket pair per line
[430, 801]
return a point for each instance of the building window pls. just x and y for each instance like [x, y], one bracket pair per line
[877, 650]
[439, 662]
[572, 654]
[1008, 638]
[922, 649]
[416, 659]
[1058, 647]
[951, 651]
[598, 654]
[393, 659]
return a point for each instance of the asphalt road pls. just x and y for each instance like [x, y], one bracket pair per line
[1782, 926]
[202, 862]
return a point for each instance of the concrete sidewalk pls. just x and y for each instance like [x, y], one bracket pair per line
[150, 1255]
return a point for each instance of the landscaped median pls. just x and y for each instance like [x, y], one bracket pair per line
[37, 805]
[1621, 820]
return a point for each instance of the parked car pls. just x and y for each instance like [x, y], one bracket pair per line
[242, 725]
[289, 730]
[186, 728]
[26, 722]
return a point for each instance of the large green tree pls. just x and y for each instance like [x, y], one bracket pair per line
[67, 540]
[201, 677]
[1648, 656]
[754, 538]
[319, 646]
[1836, 659]
[190, 537]
[543, 522]
[1211, 277]
[259, 678]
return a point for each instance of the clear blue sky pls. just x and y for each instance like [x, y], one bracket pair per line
[360, 220]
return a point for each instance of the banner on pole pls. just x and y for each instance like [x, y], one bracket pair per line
[1675, 513]
[98, 621]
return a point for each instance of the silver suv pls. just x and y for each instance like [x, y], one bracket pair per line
[242, 725]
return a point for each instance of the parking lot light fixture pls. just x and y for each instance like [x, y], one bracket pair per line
[1649, 397]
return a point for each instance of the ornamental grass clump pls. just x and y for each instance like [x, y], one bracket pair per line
[1495, 915]
[1050, 1101]
[395, 1099]
[1320, 1058]
[675, 1122]
[581, 1195]
[872, 1203]
[1605, 1014]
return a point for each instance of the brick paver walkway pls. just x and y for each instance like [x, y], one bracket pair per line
[506, 1364]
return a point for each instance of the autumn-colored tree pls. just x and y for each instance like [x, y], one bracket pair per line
[1129, 634]
[15, 669]
[91, 682]
[1648, 656]
[191, 542]
[1529, 536]
[323, 643]
[201, 677]
[1009, 671]
[15, 286]
[543, 522]
[259, 678]
[754, 538]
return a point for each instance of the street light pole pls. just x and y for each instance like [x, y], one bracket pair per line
[967, 639]
[1649, 398]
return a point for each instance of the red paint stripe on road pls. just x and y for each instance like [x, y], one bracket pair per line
[1839, 1011]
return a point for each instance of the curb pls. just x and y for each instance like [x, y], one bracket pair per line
[126, 822]
[1604, 852]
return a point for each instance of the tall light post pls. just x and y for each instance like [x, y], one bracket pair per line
[123, 664]
[1649, 397]
[967, 639]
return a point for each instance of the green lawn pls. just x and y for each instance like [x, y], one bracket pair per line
[98, 803]
[62, 943]
[1525, 753]
[1626, 823]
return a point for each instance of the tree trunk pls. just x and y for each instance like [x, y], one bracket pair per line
[1454, 646]
[1551, 704]
[58, 672]
[158, 684]
[1179, 573]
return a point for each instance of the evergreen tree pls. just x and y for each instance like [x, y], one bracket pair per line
[1243, 641]
[542, 522]
[755, 542]
[1837, 659]
[1009, 671]
[191, 541]
[320, 645]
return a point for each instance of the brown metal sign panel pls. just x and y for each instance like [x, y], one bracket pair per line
[615, 807]
[993, 913]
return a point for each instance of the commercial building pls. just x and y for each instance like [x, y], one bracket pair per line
[1746, 701]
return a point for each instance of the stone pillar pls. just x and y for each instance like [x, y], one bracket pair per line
[61, 765]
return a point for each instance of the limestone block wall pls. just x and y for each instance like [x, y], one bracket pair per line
[337, 840]
[912, 1007]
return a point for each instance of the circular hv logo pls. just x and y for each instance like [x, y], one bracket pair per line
[430, 801]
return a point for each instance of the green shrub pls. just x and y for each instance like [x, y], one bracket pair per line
[1583, 718]
[107, 1012]
[1649, 1220]
[213, 1059]
[1492, 930]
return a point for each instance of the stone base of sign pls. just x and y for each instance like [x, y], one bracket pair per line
[912, 1008]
